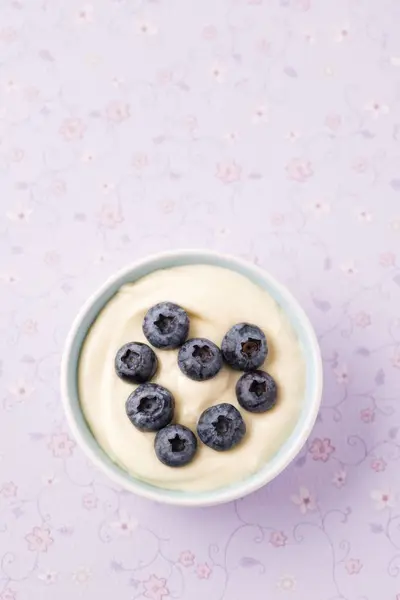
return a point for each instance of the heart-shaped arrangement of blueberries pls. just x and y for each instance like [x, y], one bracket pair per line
[151, 406]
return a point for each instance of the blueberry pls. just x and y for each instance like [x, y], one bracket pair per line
[256, 391]
[175, 445]
[199, 359]
[221, 427]
[244, 347]
[150, 407]
[166, 325]
[135, 362]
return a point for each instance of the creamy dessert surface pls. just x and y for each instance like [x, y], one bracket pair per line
[215, 299]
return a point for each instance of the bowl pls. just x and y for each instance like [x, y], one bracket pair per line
[288, 450]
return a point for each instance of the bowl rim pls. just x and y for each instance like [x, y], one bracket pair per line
[124, 479]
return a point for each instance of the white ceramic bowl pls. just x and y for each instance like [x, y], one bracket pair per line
[288, 450]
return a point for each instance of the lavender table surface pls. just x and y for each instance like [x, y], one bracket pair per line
[268, 129]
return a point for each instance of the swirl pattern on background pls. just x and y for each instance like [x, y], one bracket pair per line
[269, 129]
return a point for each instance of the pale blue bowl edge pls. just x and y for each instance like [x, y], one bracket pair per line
[286, 452]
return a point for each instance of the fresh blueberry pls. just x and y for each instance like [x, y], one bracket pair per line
[199, 359]
[221, 427]
[135, 362]
[166, 325]
[244, 347]
[256, 391]
[150, 407]
[175, 445]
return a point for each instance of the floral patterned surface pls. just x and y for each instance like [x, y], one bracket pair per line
[269, 129]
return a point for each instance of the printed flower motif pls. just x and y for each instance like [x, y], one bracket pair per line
[8, 594]
[61, 445]
[107, 188]
[293, 136]
[17, 155]
[304, 500]
[8, 489]
[333, 121]
[231, 136]
[72, 129]
[302, 5]
[99, 260]
[223, 232]
[342, 34]
[362, 319]
[146, 29]
[321, 449]
[9, 278]
[58, 187]
[186, 558]
[66, 530]
[299, 169]
[155, 588]
[39, 540]
[165, 76]
[277, 219]
[125, 525]
[378, 465]
[11, 86]
[140, 161]
[383, 499]
[277, 539]
[168, 207]
[286, 583]
[396, 359]
[117, 111]
[228, 172]
[339, 478]
[8, 35]
[367, 415]
[209, 33]
[85, 14]
[364, 216]
[82, 575]
[51, 258]
[21, 390]
[395, 225]
[349, 268]
[320, 207]
[353, 566]
[110, 216]
[360, 165]
[29, 327]
[260, 115]
[309, 37]
[190, 123]
[45, 110]
[87, 157]
[218, 73]
[89, 501]
[20, 215]
[49, 577]
[341, 374]
[263, 46]
[387, 259]
[49, 480]
[376, 109]
[203, 571]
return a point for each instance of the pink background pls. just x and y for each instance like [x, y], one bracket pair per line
[268, 129]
